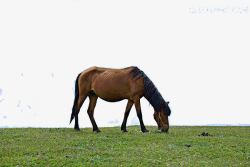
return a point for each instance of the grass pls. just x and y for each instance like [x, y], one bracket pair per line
[182, 146]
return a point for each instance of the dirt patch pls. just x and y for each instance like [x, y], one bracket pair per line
[187, 145]
[204, 134]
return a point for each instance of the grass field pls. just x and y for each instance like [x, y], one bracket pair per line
[182, 146]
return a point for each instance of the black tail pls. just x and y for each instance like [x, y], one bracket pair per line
[76, 98]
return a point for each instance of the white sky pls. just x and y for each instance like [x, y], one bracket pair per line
[196, 53]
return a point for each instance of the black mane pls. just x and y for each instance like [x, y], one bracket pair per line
[151, 93]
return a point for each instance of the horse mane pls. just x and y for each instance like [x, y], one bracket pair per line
[151, 93]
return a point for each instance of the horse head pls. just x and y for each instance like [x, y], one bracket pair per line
[161, 117]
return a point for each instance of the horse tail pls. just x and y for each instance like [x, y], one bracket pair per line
[76, 99]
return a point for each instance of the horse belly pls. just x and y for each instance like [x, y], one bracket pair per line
[111, 89]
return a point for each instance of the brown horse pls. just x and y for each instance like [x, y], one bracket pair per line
[117, 84]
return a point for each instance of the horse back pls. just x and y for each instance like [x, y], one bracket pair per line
[113, 84]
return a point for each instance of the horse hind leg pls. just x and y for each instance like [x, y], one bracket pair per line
[91, 108]
[79, 103]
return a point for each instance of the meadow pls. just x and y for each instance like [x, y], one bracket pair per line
[182, 146]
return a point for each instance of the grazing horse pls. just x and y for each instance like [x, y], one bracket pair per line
[113, 85]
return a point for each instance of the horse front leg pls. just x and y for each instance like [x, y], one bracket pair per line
[91, 108]
[139, 114]
[126, 114]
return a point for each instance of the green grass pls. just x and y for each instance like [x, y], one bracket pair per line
[182, 146]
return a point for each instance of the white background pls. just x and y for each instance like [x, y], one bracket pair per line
[196, 53]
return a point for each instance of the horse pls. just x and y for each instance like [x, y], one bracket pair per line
[114, 85]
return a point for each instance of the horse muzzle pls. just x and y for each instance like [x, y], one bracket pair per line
[164, 130]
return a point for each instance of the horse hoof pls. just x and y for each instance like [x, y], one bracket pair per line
[124, 130]
[145, 131]
[97, 131]
[77, 129]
